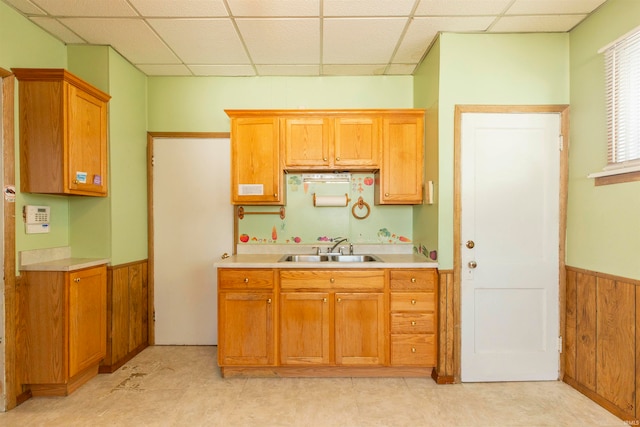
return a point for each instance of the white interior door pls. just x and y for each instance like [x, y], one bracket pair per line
[510, 166]
[193, 226]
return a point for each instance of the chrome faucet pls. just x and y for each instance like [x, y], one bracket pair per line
[333, 248]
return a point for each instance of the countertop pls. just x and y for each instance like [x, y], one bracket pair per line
[66, 264]
[271, 261]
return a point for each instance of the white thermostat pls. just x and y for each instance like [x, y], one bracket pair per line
[36, 219]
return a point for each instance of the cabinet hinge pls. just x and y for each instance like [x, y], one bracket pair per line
[560, 344]
[561, 142]
[153, 161]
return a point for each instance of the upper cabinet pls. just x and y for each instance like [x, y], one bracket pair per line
[256, 172]
[327, 142]
[400, 179]
[63, 133]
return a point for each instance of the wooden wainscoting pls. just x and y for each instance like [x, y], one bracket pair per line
[602, 340]
[127, 315]
[444, 372]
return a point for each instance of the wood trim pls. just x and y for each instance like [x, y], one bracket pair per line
[9, 209]
[603, 275]
[563, 110]
[601, 401]
[617, 179]
[150, 216]
[323, 371]
[446, 330]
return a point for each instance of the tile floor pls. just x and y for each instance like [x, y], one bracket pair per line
[181, 386]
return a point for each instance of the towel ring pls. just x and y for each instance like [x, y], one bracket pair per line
[360, 204]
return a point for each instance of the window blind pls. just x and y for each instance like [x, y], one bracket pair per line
[622, 70]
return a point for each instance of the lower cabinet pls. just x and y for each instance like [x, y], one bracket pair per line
[302, 322]
[62, 318]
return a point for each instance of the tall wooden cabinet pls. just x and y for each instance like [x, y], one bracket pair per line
[62, 337]
[63, 133]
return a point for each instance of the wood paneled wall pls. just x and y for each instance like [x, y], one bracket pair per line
[445, 371]
[127, 314]
[602, 340]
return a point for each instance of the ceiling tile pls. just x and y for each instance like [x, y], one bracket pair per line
[26, 7]
[119, 33]
[553, 7]
[255, 8]
[111, 8]
[367, 8]
[353, 70]
[165, 70]
[182, 8]
[282, 41]
[461, 7]
[361, 40]
[202, 41]
[288, 70]
[540, 23]
[223, 70]
[54, 27]
[422, 31]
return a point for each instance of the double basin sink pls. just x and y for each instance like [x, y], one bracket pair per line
[329, 258]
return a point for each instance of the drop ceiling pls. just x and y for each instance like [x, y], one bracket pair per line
[288, 37]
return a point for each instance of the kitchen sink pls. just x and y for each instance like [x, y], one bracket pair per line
[329, 258]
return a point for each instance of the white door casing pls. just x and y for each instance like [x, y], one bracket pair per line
[193, 226]
[510, 208]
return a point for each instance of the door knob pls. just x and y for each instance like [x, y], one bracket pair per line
[470, 244]
[225, 255]
[472, 264]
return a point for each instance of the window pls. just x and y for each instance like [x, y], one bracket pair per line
[622, 73]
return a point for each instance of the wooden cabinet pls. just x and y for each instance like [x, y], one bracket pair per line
[63, 317]
[256, 171]
[63, 134]
[326, 142]
[400, 179]
[246, 317]
[413, 302]
[322, 310]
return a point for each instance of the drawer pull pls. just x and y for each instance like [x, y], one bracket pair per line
[413, 280]
[324, 300]
[413, 349]
[268, 300]
[413, 302]
[413, 323]
[246, 280]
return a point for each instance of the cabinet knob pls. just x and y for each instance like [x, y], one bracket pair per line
[413, 323]
[413, 280]
[77, 280]
[332, 280]
[337, 159]
[386, 194]
[246, 280]
[413, 302]
[268, 300]
[275, 194]
[324, 300]
[413, 349]
[75, 181]
[324, 159]
[339, 299]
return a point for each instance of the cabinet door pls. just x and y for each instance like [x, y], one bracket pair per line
[357, 142]
[307, 142]
[359, 329]
[86, 141]
[400, 178]
[87, 318]
[304, 328]
[256, 175]
[245, 331]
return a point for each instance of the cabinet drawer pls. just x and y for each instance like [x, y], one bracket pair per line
[413, 301]
[332, 279]
[412, 323]
[423, 280]
[413, 350]
[245, 279]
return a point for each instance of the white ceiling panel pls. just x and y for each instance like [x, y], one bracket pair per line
[422, 31]
[148, 48]
[282, 8]
[282, 41]
[111, 8]
[202, 41]
[222, 70]
[361, 40]
[180, 8]
[367, 8]
[532, 24]
[288, 37]
[553, 7]
[461, 7]
[58, 30]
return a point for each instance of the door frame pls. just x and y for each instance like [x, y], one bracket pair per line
[561, 109]
[150, 239]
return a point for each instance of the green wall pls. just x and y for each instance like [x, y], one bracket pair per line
[603, 225]
[197, 104]
[489, 69]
